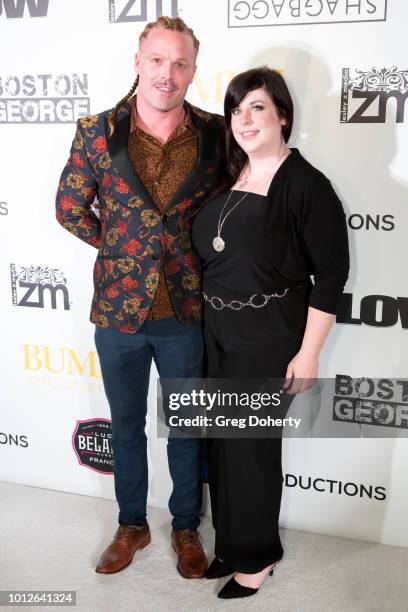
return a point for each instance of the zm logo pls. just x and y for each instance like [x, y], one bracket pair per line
[14, 9]
[29, 285]
[121, 10]
[373, 90]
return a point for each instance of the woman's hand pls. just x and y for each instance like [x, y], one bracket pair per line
[301, 373]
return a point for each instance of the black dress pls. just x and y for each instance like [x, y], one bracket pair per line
[273, 243]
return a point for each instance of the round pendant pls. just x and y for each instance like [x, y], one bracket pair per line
[218, 244]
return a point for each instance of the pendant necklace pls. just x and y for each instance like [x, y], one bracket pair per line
[218, 242]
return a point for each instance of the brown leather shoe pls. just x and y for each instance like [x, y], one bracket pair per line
[120, 551]
[192, 562]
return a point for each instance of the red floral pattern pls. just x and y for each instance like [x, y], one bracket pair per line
[129, 232]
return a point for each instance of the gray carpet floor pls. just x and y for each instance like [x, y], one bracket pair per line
[51, 540]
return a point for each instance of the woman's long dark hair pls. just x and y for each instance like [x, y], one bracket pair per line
[256, 78]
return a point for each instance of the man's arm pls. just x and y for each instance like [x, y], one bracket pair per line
[77, 190]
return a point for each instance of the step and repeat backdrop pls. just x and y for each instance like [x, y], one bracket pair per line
[346, 65]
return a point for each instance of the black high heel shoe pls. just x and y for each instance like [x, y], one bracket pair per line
[233, 590]
[218, 569]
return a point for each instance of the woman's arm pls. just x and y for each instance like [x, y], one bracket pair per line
[324, 233]
[304, 367]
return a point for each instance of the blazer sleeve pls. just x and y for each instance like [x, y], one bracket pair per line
[77, 190]
[324, 235]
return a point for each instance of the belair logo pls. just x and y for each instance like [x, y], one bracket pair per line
[92, 444]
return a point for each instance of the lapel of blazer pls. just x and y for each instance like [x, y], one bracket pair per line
[118, 151]
[206, 154]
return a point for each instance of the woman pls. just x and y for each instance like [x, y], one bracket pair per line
[277, 222]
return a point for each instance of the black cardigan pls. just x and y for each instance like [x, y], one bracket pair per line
[299, 231]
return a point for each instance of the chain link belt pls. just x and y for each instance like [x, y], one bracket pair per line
[217, 303]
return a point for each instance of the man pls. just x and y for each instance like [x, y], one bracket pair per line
[150, 162]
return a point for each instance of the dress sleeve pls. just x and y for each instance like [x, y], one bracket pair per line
[324, 235]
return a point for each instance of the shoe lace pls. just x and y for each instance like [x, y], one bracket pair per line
[189, 539]
[123, 532]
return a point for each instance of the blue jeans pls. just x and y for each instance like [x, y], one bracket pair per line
[125, 360]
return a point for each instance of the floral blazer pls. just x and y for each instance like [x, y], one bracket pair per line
[102, 200]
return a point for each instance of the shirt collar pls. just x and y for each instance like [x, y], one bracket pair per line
[187, 122]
